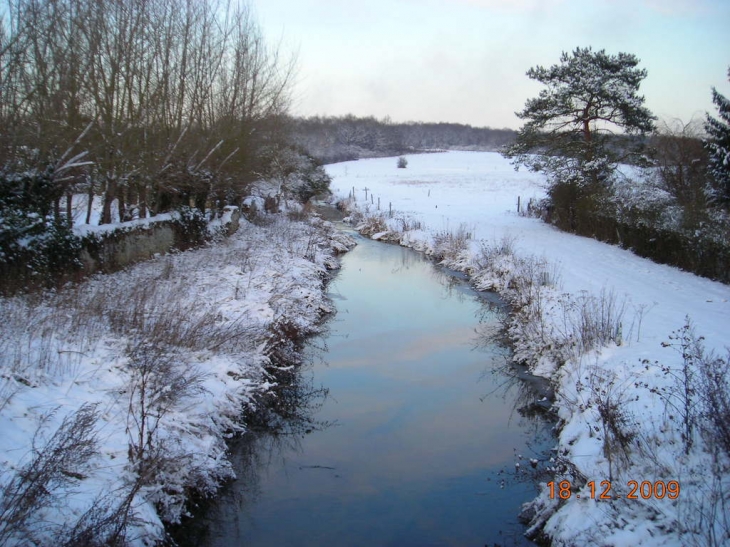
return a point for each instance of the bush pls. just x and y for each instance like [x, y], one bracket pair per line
[402, 162]
[449, 245]
[295, 173]
[646, 221]
[35, 246]
[54, 466]
[315, 182]
[191, 227]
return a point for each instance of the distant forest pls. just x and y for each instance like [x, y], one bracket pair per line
[333, 139]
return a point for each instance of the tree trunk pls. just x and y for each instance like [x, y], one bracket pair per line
[57, 209]
[122, 205]
[142, 199]
[90, 201]
[109, 195]
[200, 199]
[69, 210]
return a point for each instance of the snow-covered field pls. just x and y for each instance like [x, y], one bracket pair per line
[624, 410]
[117, 394]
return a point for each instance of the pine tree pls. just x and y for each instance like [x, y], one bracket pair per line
[588, 96]
[718, 147]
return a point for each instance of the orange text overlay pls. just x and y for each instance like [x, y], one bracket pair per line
[603, 490]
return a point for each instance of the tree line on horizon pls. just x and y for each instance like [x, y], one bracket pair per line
[332, 139]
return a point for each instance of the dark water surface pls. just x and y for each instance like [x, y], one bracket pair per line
[403, 434]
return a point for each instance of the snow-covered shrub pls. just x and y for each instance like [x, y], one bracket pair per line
[315, 181]
[56, 465]
[640, 214]
[49, 246]
[547, 327]
[36, 247]
[402, 162]
[372, 224]
[450, 245]
[699, 391]
[407, 224]
[295, 173]
[161, 381]
[596, 321]
[608, 399]
[191, 227]
[252, 207]
[696, 397]
[715, 380]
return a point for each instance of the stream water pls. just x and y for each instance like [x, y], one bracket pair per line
[403, 430]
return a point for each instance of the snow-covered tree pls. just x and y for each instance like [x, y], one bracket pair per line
[588, 96]
[294, 173]
[718, 146]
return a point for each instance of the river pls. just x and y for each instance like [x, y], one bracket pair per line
[402, 430]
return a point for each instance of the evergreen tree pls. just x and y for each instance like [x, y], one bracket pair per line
[718, 147]
[588, 96]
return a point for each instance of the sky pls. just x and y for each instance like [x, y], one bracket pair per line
[465, 61]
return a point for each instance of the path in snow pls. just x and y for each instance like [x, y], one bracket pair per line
[480, 190]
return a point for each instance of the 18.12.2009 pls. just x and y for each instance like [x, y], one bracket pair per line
[637, 490]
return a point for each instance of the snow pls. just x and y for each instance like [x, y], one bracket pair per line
[476, 193]
[207, 315]
[82, 229]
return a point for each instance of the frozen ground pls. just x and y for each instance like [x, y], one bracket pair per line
[636, 375]
[117, 394]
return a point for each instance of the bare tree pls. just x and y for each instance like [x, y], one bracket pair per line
[181, 94]
[682, 165]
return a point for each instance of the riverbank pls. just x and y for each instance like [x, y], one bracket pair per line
[117, 394]
[625, 342]
[417, 437]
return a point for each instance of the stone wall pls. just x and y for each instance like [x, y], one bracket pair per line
[127, 244]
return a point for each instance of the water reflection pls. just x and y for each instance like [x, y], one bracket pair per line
[284, 418]
[531, 396]
[418, 455]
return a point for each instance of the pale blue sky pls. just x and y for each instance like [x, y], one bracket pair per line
[465, 60]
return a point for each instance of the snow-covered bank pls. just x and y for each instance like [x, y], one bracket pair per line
[117, 394]
[606, 326]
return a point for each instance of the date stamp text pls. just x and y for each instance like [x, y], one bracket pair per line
[637, 490]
